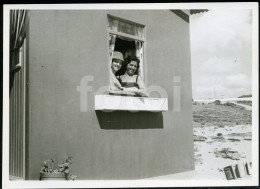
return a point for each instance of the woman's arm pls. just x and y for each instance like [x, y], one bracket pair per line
[136, 91]
[140, 91]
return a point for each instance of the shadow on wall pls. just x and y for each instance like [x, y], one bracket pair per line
[129, 120]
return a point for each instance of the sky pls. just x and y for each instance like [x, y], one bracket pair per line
[221, 53]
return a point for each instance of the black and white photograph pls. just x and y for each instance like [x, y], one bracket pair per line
[130, 95]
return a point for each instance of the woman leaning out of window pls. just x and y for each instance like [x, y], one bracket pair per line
[116, 65]
[131, 81]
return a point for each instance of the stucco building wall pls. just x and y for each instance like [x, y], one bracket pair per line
[66, 46]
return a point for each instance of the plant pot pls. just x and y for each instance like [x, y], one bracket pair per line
[53, 176]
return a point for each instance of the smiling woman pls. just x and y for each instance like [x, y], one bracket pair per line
[131, 81]
[117, 60]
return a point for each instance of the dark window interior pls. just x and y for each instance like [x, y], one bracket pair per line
[125, 46]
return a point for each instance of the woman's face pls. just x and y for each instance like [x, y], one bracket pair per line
[131, 68]
[116, 65]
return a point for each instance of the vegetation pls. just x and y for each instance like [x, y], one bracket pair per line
[64, 167]
[217, 102]
[246, 102]
[230, 104]
[227, 153]
[215, 115]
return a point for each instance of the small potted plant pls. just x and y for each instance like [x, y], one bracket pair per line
[63, 173]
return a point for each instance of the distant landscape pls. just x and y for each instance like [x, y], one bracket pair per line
[222, 135]
[245, 96]
[217, 114]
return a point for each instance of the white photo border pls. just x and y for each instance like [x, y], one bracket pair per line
[133, 183]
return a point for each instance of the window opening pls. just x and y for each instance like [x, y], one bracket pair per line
[128, 38]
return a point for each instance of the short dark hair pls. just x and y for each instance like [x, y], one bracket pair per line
[132, 58]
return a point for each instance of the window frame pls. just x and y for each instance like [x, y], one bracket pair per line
[143, 67]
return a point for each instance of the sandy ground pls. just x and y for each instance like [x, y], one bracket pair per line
[209, 161]
[222, 137]
[215, 153]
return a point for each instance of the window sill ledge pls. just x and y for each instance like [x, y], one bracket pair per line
[130, 103]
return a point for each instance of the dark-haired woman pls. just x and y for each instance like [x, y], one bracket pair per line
[131, 81]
